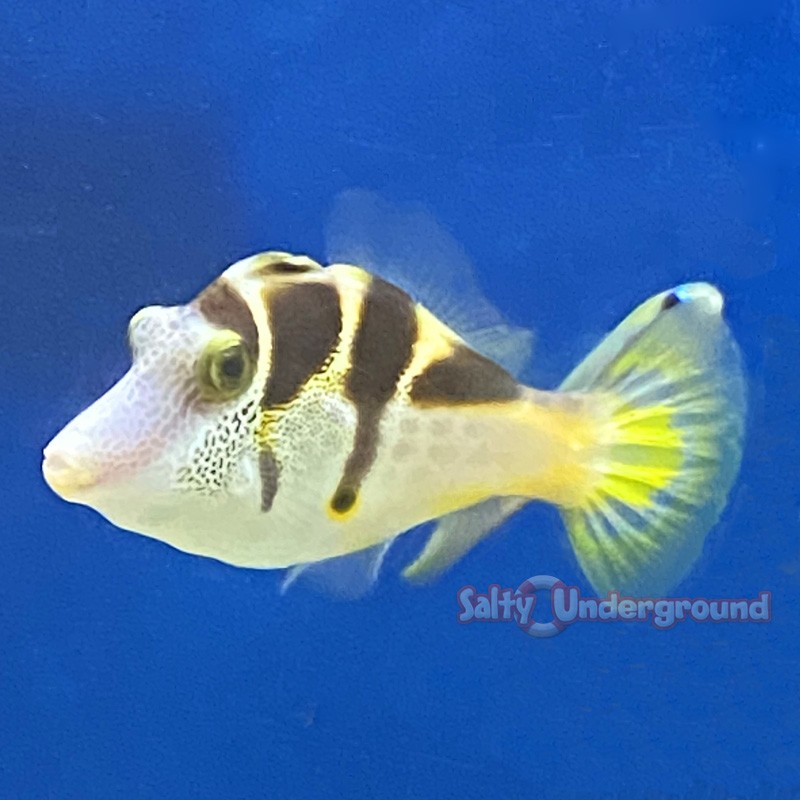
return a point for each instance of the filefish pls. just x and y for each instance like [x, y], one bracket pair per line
[292, 414]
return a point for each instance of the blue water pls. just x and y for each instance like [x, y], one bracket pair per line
[587, 154]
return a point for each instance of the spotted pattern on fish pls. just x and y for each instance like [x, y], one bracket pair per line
[210, 468]
[305, 322]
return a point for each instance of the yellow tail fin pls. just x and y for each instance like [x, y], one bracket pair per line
[670, 393]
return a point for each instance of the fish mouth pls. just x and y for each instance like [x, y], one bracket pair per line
[67, 477]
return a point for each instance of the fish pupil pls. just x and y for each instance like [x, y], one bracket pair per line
[232, 366]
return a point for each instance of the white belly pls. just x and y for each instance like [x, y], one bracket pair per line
[429, 462]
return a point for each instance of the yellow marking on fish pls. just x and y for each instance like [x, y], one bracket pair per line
[435, 341]
[348, 511]
[265, 430]
[568, 476]
[352, 283]
[659, 454]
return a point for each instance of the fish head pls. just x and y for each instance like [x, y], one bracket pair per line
[178, 429]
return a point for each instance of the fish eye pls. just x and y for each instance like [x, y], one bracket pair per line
[232, 364]
[225, 367]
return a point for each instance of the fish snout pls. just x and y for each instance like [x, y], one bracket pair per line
[67, 474]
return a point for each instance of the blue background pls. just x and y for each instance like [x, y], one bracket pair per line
[586, 157]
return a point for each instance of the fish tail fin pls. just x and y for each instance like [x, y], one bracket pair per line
[668, 391]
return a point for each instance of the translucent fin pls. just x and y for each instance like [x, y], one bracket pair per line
[458, 533]
[410, 249]
[509, 347]
[671, 407]
[346, 577]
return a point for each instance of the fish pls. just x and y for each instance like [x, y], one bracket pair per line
[294, 415]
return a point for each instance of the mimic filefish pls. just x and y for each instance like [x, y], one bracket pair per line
[293, 413]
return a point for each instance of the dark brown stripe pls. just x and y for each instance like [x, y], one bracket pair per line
[276, 263]
[463, 377]
[224, 307]
[381, 351]
[306, 323]
[268, 470]
[383, 344]
[361, 458]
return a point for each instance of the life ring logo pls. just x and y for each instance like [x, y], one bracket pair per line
[568, 606]
[542, 630]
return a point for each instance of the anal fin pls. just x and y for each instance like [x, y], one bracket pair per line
[457, 533]
[345, 577]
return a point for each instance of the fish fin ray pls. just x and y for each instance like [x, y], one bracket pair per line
[457, 533]
[407, 247]
[344, 577]
[671, 405]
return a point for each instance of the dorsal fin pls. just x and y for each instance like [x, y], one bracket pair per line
[407, 247]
